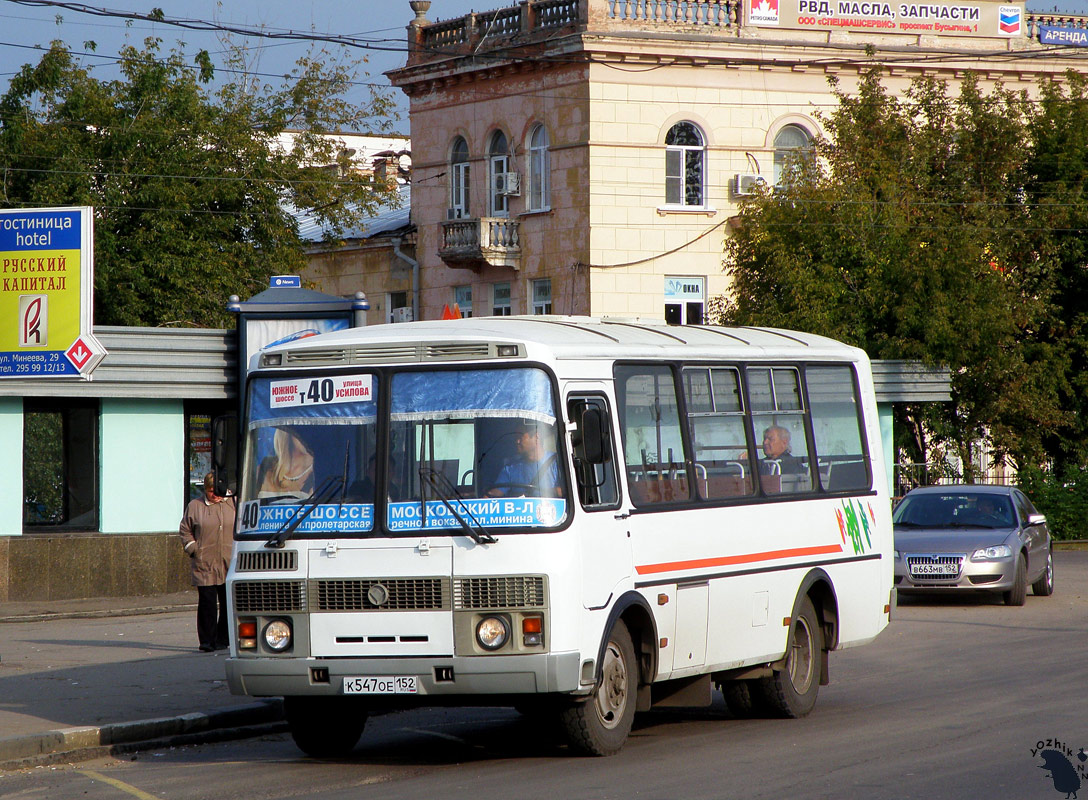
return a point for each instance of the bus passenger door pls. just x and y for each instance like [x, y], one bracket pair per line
[606, 546]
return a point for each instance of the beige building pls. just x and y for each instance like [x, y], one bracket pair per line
[585, 156]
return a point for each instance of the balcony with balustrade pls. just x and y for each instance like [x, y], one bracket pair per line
[532, 21]
[477, 242]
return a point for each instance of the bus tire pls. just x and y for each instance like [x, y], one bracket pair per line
[324, 727]
[743, 698]
[791, 692]
[599, 726]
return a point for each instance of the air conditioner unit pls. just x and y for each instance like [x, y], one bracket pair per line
[508, 183]
[745, 184]
[402, 314]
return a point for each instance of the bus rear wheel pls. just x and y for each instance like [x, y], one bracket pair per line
[324, 727]
[791, 692]
[600, 725]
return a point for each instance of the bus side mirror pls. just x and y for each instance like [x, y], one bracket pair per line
[594, 436]
[225, 454]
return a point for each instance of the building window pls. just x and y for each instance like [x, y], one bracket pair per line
[542, 296]
[462, 298]
[787, 142]
[459, 170]
[60, 465]
[498, 163]
[539, 170]
[685, 159]
[685, 300]
[500, 299]
[397, 308]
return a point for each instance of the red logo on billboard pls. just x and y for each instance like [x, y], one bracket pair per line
[33, 310]
[79, 354]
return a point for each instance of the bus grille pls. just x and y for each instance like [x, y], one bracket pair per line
[394, 594]
[267, 561]
[520, 591]
[255, 597]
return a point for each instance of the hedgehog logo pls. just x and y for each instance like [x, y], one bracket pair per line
[1062, 772]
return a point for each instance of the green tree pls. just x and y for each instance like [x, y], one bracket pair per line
[190, 190]
[903, 233]
[1055, 181]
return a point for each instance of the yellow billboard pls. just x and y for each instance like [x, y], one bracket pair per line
[46, 293]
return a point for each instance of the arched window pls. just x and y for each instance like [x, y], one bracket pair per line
[789, 140]
[498, 163]
[539, 170]
[685, 159]
[459, 179]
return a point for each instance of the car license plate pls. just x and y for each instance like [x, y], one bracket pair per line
[923, 570]
[384, 684]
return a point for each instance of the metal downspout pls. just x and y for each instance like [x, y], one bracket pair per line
[415, 275]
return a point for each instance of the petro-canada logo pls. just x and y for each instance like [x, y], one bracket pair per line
[33, 320]
[1065, 769]
[763, 12]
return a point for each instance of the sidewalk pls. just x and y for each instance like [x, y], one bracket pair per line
[84, 678]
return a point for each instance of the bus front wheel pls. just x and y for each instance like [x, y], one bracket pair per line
[791, 691]
[599, 726]
[324, 727]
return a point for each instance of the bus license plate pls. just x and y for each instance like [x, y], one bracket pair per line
[384, 684]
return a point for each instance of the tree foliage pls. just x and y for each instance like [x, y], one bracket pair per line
[911, 232]
[190, 189]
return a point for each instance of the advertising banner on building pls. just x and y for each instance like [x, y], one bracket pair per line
[980, 18]
[47, 293]
[1070, 37]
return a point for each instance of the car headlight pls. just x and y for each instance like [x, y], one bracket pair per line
[277, 635]
[492, 633]
[992, 553]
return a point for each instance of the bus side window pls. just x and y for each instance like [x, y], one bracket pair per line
[594, 472]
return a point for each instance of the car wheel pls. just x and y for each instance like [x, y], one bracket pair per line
[599, 726]
[1044, 587]
[791, 692]
[1015, 596]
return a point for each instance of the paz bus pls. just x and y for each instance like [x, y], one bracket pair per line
[577, 517]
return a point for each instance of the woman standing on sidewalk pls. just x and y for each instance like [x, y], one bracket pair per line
[207, 530]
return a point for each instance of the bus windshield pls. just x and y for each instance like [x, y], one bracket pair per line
[479, 444]
[310, 439]
[468, 450]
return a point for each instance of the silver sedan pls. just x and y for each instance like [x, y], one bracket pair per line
[972, 538]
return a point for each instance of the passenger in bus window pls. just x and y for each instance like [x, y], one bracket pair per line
[777, 459]
[291, 469]
[535, 471]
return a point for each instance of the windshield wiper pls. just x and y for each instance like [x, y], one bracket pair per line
[444, 489]
[320, 496]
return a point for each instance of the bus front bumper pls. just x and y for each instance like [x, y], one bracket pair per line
[437, 677]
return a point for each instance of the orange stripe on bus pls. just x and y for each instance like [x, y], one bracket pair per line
[749, 558]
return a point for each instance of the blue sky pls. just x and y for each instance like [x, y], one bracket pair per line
[380, 22]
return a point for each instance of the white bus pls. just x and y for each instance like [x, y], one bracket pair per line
[573, 516]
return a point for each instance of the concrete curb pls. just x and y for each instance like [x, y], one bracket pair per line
[95, 614]
[89, 742]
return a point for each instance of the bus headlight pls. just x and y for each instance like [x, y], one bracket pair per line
[492, 633]
[277, 635]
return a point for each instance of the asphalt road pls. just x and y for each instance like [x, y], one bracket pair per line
[949, 702]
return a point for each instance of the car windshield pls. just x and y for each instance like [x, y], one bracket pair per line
[955, 510]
